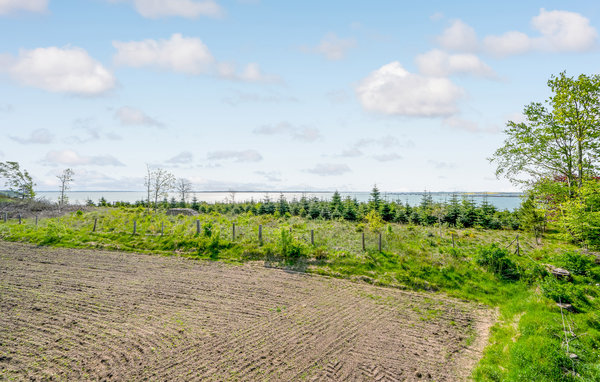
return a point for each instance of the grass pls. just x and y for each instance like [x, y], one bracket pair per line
[528, 342]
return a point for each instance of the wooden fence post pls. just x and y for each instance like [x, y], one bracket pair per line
[5, 216]
[36, 220]
[452, 240]
[363, 241]
[518, 249]
[312, 237]
[233, 231]
[95, 223]
[19, 218]
[162, 228]
[134, 226]
[260, 234]
[197, 227]
[379, 241]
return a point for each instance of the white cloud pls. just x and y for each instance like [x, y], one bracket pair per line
[441, 64]
[393, 90]
[72, 158]
[6, 108]
[564, 31]
[387, 157]
[191, 9]
[333, 47]
[560, 31]
[459, 123]
[39, 136]
[329, 169]
[10, 6]
[238, 156]
[61, 70]
[182, 158]
[509, 44]
[186, 55]
[459, 37]
[271, 176]
[251, 73]
[301, 133]
[131, 116]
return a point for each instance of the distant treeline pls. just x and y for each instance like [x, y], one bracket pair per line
[455, 212]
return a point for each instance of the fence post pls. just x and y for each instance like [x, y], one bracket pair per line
[162, 228]
[452, 240]
[363, 241]
[312, 237]
[233, 231]
[36, 220]
[134, 226]
[5, 216]
[260, 234]
[197, 227]
[379, 241]
[518, 249]
[95, 222]
[19, 218]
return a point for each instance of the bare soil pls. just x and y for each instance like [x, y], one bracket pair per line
[82, 314]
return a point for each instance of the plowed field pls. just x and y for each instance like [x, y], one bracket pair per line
[80, 314]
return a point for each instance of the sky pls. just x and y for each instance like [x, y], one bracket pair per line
[279, 95]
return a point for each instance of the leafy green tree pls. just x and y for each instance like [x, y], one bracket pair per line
[17, 180]
[559, 139]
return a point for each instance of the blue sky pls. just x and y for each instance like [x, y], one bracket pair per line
[278, 95]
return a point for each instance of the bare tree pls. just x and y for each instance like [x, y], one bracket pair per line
[161, 182]
[183, 187]
[148, 183]
[65, 179]
[232, 196]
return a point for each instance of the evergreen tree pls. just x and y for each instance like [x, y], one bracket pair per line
[375, 200]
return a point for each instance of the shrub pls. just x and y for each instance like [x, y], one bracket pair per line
[575, 262]
[290, 248]
[497, 260]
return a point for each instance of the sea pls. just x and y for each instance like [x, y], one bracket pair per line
[501, 200]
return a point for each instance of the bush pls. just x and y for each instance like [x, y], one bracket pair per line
[496, 260]
[576, 263]
[563, 292]
[291, 248]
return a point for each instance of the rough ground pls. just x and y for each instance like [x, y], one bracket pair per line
[81, 314]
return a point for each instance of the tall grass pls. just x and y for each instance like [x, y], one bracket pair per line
[528, 342]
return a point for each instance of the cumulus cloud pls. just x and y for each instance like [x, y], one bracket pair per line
[329, 169]
[459, 123]
[6, 108]
[180, 54]
[187, 55]
[244, 97]
[332, 47]
[135, 117]
[300, 133]
[72, 158]
[560, 31]
[237, 156]
[39, 136]
[251, 73]
[10, 6]
[438, 63]
[184, 157]
[459, 37]
[387, 157]
[61, 70]
[191, 9]
[393, 90]
[271, 176]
